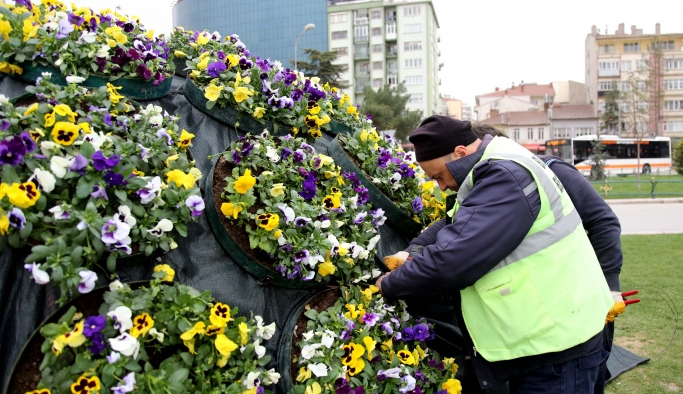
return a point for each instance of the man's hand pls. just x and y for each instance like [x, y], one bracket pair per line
[378, 283]
[396, 260]
[618, 308]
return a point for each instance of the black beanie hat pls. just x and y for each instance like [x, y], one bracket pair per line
[438, 136]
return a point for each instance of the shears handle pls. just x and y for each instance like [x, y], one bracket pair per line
[630, 293]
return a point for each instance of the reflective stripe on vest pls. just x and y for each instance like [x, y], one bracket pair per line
[547, 295]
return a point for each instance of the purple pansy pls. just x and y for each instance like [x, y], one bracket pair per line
[196, 204]
[100, 162]
[93, 325]
[99, 192]
[370, 319]
[417, 204]
[421, 332]
[309, 187]
[162, 133]
[406, 171]
[79, 164]
[299, 156]
[216, 68]
[12, 151]
[113, 179]
[98, 343]
[16, 218]
[28, 141]
[64, 28]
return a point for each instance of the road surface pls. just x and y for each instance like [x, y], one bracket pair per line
[650, 218]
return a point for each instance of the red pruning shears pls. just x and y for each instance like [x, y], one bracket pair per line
[630, 293]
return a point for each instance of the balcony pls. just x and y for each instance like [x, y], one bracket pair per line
[359, 55]
[361, 21]
[612, 72]
[361, 83]
[358, 39]
[390, 32]
[362, 72]
[392, 51]
[392, 70]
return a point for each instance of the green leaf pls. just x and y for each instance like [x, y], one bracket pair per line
[111, 262]
[138, 303]
[9, 176]
[210, 104]
[187, 358]
[311, 314]
[76, 253]
[83, 188]
[87, 149]
[179, 376]
[182, 229]
[121, 194]
[26, 231]
[132, 366]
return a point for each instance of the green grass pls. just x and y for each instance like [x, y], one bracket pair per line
[653, 264]
[627, 187]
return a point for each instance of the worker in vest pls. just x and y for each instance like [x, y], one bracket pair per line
[533, 297]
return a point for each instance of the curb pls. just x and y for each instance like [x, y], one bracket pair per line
[645, 201]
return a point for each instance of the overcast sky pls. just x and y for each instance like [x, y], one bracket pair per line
[489, 43]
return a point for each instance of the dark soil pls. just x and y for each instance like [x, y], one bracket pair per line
[235, 230]
[320, 303]
[25, 102]
[26, 374]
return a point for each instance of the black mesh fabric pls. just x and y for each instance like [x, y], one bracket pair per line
[199, 260]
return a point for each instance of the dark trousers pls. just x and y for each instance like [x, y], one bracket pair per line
[603, 373]
[573, 377]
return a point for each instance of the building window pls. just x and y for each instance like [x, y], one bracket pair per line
[413, 28]
[412, 11]
[608, 48]
[675, 125]
[583, 131]
[392, 66]
[340, 35]
[642, 65]
[562, 132]
[392, 79]
[361, 32]
[412, 45]
[342, 51]
[377, 82]
[415, 98]
[643, 107]
[641, 86]
[376, 31]
[364, 67]
[608, 65]
[673, 64]
[541, 131]
[664, 45]
[339, 17]
[413, 63]
[606, 86]
[377, 14]
[673, 105]
[530, 133]
[391, 29]
[602, 106]
[391, 16]
[377, 65]
[673, 84]
[632, 47]
[414, 80]
[516, 135]
[377, 48]
[626, 65]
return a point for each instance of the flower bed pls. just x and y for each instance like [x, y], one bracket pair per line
[161, 337]
[362, 343]
[293, 211]
[230, 77]
[79, 43]
[87, 175]
[188, 44]
[394, 176]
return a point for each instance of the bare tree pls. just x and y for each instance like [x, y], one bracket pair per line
[635, 109]
[654, 62]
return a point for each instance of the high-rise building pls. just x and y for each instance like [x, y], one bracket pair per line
[610, 58]
[268, 28]
[387, 42]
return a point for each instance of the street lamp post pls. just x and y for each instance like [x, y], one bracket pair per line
[308, 27]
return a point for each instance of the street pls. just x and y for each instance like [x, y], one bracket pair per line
[650, 218]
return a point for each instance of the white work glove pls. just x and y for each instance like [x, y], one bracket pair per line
[396, 260]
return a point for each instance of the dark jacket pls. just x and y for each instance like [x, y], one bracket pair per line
[492, 221]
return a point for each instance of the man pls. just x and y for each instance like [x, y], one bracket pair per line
[533, 296]
[601, 225]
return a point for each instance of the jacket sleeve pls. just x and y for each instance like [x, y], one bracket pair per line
[428, 236]
[492, 221]
[599, 221]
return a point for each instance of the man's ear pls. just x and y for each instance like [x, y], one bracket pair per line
[460, 151]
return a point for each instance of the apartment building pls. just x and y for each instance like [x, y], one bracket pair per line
[451, 107]
[524, 97]
[528, 128]
[611, 58]
[466, 112]
[387, 42]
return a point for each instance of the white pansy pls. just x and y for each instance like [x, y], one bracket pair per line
[373, 242]
[267, 173]
[3, 99]
[74, 79]
[363, 254]
[46, 74]
[59, 165]
[41, 277]
[272, 154]
[265, 332]
[327, 339]
[319, 369]
[126, 345]
[48, 147]
[45, 179]
[281, 241]
[82, 225]
[95, 139]
[308, 351]
[125, 216]
[58, 212]
[122, 318]
[353, 201]
[308, 335]
[252, 377]
[311, 275]
[103, 51]
[339, 223]
[376, 273]
[395, 177]
[277, 65]
[313, 260]
[59, 62]
[115, 285]
[288, 212]
[88, 37]
[159, 336]
[161, 228]
[272, 376]
[376, 180]
[260, 350]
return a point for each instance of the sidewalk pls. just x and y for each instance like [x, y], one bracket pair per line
[674, 200]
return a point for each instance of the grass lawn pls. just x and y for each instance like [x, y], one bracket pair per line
[653, 264]
[627, 187]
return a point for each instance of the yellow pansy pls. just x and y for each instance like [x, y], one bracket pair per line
[244, 333]
[49, 119]
[373, 136]
[364, 135]
[315, 133]
[406, 357]
[180, 179]
[220, 315]
[244, 183]
[304, 374]
[277, 233]
[351, 109]
[31, 109]
[65, 110]
[229, 209]
[23, 195]
[326, 268]
[277, 190]
[179, 54]
[242, 93]
[452, 386]
[85, 127]
[233, 60]
[65, 133]
[4, 223]
[198, 329]
[352, 352]
[369, 346]
[213, 92]
[149, 34]
[114, 95]
[73, 338]
[203, 63]
[224, 345]
[259, 112]
[195, 73]
[165, 268]
[314, 388]
[185, 139]
[388, 344]
[356, 366]
[331, 201]
[268, 221]
[85, 384]
[36, 134]
[202, 39]
[214, 330]
[428, 187]
[29, 29]
[5, 29]
[116, 33]
[171, 159]
[141, 324]
[367, 293]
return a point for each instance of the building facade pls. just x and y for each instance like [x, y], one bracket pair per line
[569, 121]
[268, 28]
[451, 107]
[466, 112]
[611, 58]
[529, 128]
[524, 97]
[386, 42]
